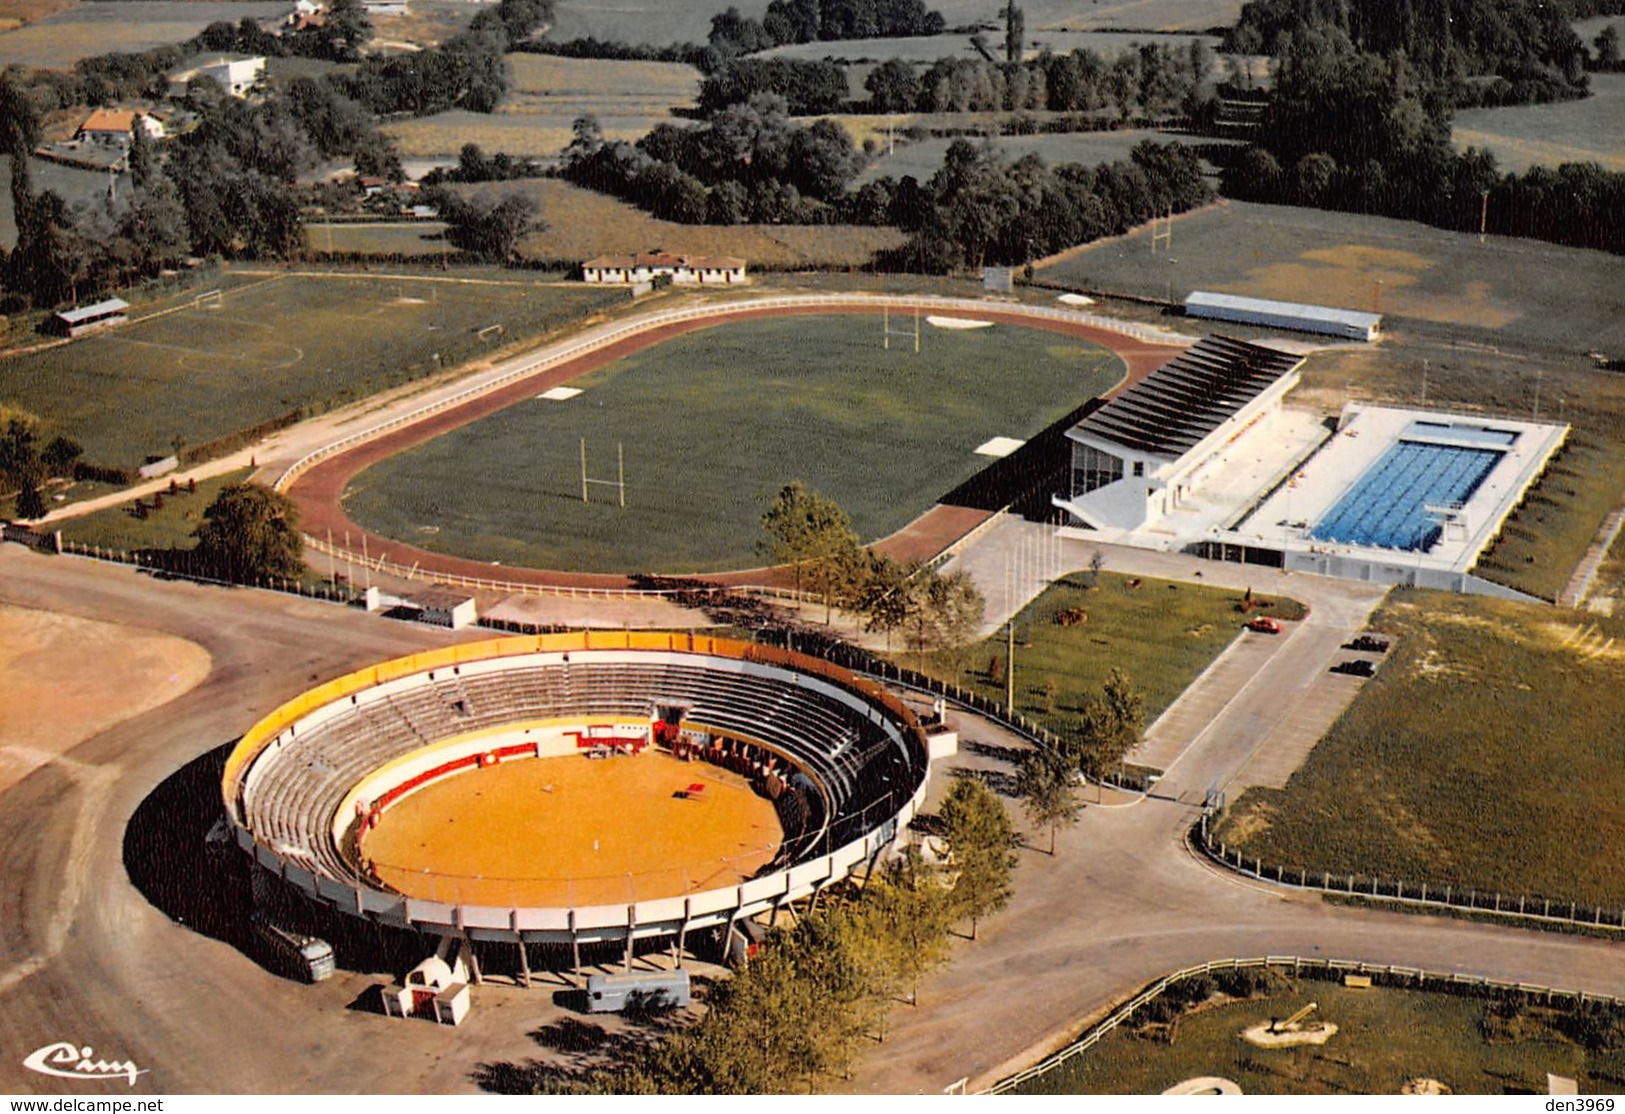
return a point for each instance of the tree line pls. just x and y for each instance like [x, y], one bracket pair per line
[804, 21]
[1355, 130]
[1528, 47]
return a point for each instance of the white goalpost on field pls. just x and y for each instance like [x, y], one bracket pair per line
[905, 331]
[618, 483]
[209, 299]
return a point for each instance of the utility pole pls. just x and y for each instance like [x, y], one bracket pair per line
[1483, 214]
[1010, 671]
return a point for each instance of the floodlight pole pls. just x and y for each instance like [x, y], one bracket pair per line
[584, 470]
[1010, 671]
[1483, 214]
[620, 467]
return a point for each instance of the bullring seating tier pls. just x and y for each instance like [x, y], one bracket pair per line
[856, 756]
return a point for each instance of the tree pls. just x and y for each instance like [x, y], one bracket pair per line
[915, 907]
[486, 226]
[1607, 44]
[944, 612]
[346, 28]
[250, 534]
[1047, 783]
[980, 840]
[60, 454]
[19, 454]
[893, 86]
[806, 529]
[1015, 30]
[30, 505]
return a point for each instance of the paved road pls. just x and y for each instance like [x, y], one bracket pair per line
[86, 955]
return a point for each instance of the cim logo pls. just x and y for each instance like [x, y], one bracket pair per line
[66, 1060]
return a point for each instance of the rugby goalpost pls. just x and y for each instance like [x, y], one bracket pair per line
[618, 483]
[888, 332]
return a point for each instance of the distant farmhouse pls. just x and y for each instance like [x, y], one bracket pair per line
[707, 270]
[111, 127]
[236, 74]
[384, 7]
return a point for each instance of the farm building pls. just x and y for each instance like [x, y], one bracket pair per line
[86, 319]
[1138, 459]
[384, 7]
[236, 74]
[719, 270]
[112, 127]
[1326, 320]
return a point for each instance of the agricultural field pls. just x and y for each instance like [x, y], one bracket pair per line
[1509, 774]
[582, 224]
[1522, 136]
[1160, 633]
[275, 344]
[704, 457]
[1385, 1038]
[1505, 290]
[628, 98]
[73, 185]
[100, 26]
[401, 238]
[667, 21]
[16, 13]
[924, 158]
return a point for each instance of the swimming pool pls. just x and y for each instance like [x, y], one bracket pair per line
[1387, 507]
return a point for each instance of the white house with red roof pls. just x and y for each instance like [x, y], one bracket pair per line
[699, 270]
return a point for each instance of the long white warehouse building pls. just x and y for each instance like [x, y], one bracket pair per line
[1327, 320]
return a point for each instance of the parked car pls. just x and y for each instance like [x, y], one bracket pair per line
[1263, 624]
[1370, 644]
[1356, 667]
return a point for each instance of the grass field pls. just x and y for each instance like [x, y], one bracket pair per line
[582, 224]
[628, 98]
[1160, 633]
[1521, 136]
[274, 346]
[1508, 773]
[407, 238]
[925, 158]
[1385, 1037]
[169, 527]
[1519, 289]
[665, 21]
[713, 424]
[101, 26]
[1537, 548]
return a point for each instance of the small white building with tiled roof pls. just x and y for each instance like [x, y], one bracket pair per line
[112, 126]
[706, 270]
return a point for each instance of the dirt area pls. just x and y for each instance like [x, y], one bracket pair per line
[15, 13]
[64, 679]
[555, 832]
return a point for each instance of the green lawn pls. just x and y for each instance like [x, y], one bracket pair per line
[1520, 136]
[169, 527]
[1537, 549]
[1385, 1037]
[713, 423]
[273, 346]
[1160, 633]
[1489, 752]
[1506, 290]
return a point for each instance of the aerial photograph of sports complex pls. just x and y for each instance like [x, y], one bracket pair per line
[819, 547]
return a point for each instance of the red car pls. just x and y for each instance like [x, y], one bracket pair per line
[1264, 625]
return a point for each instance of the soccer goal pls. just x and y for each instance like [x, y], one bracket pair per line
[209, 299]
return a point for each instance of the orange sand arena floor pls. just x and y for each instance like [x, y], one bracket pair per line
[571, 831]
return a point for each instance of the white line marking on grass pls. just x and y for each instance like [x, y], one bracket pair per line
[999, 446]
[560, 394]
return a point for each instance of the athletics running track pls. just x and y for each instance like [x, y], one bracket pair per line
[317, 482]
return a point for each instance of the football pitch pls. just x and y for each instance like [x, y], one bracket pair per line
[712, 424]
[185, 372]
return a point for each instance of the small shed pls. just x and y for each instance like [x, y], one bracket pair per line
[445, 609]
[86, 319]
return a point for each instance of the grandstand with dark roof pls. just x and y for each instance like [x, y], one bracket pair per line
[1136, 459]
[844, 763]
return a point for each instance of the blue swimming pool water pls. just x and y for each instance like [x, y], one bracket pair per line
[1388, 506]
